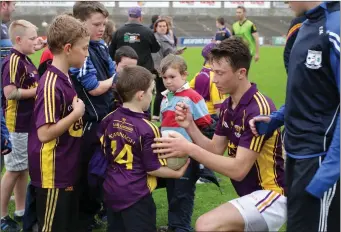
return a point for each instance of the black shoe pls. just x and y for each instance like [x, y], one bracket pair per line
[18, 218]
[9, 225]
[95, 224]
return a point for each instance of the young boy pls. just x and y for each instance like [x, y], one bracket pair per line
[19, 80]
[180, 192]
[203, 84]
[126, 137]
[125, 56]
[93, 83]
[54, 140]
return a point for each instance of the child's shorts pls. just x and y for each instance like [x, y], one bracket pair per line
[17, 160]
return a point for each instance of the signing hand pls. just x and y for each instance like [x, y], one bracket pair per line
[183, 115]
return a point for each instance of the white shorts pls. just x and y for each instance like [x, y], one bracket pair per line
[262, 210]
[17, 160]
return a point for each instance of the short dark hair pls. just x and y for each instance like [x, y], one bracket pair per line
[125, 51]
[154, 18]
[242, 7]
[84, 10]
[160, 21]
[131, 80]
[235, 51]
[221, 20]
[65, 29]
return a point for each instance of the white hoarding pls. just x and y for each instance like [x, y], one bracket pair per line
[247, 4]
[197, 4]
[57, 3]
[143, 4]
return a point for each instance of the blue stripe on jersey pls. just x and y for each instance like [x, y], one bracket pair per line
[199, 110]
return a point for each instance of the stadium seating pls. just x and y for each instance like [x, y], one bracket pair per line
[192, 26]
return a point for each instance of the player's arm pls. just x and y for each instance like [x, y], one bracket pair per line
[255, 35]
[87, 76]
[11, 75]
[267, 123]
[48, 121]
[329, 171]
[218, 143]
[235, 168]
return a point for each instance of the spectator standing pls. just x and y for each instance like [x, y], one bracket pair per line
[247, 30]
[222, 31]
[137, 36]
[167, 44]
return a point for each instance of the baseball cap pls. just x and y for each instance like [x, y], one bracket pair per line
[135, 12]
[207, 49]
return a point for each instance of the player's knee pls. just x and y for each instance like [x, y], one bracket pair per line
[205, 223]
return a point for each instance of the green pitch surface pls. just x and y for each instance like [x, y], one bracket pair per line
[270, 76]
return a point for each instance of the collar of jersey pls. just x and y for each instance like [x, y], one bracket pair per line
[207, 66]
[18, 53]
[182, 88]
[132, 113]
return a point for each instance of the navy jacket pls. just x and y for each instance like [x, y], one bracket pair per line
[311, 113]
[97, 67]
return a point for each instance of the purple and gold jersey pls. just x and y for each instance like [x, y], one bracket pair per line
[268, 171]
[54, 164]
[126, 139]
[18, 70]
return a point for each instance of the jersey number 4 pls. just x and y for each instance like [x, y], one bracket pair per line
[125, 156]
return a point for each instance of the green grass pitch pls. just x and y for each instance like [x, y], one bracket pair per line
[270, 76]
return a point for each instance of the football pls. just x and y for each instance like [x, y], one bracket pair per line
[174, 163]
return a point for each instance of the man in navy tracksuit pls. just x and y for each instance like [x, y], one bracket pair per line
[311, 116]
[294, 28]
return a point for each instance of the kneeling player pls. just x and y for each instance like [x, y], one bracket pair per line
[255, 164]
[126, 137]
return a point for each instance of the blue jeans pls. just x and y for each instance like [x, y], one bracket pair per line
[30, 216]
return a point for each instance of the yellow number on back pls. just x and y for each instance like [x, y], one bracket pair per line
[125, 152]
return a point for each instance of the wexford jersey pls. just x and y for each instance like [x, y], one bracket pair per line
[18, 70]
[54, 164]
[203, 84]
[126, 139]
[268, 171]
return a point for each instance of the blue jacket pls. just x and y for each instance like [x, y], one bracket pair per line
[4, 135]
[312, 111]
[97, 67]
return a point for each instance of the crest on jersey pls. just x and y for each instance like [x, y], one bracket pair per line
[314, 59]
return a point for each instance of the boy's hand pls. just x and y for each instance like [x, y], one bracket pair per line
[6, 150]
[183, 115]
[181, 172]
[255, 120]
[78, 107]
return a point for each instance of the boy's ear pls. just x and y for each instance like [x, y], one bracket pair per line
[17, 39]
[140, 95]
[184, 76]
[67, 48]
